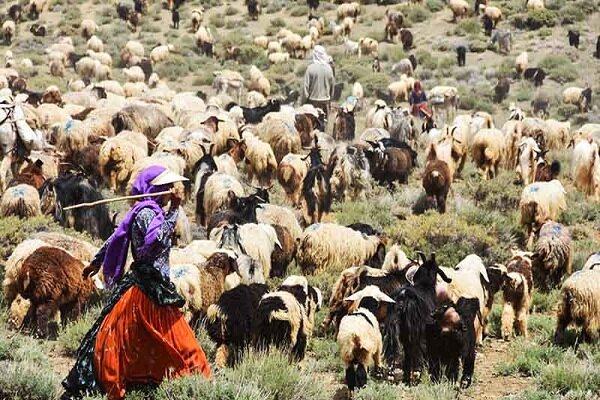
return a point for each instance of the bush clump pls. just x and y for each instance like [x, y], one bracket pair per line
[417, 14]
[534, 20]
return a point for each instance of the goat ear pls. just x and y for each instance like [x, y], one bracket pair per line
[423, 257]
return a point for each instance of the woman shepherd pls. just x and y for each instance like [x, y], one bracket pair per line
[141, 336]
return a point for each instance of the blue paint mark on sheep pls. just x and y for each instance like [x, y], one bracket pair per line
[18, 192]
[534, 188]
[313, 227]
[179, 272]
[69, 125]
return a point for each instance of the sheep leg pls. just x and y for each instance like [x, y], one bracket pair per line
[43, 313]
[350, 378]
[441, 202]
[521, 318]
[468, 367]
[508, 318]
[361, 376]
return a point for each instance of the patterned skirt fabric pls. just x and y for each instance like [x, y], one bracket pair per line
[140, 337]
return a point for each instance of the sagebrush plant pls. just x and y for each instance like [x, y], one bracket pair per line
[72, 334]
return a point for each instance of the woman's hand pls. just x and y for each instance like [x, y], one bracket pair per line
[90, 270]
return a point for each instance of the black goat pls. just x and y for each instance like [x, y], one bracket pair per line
[175, 18]
[390, 165]
[242, 210]
[123, 11]
[337, 91]
[408, 319]
[146, 65]
[38, 30]
[140, 7]
[573, 38]
[461, 55]
[255, 115]
[536, 75]
[451, 340]
[540, 107]
[230, 320]
[364, 228]
[597, 53]
[68, 190]
[501, 89]
[253, 9]
[488, 25]
[203, 169]
[312, 4]
[15, 12]
[406, 37]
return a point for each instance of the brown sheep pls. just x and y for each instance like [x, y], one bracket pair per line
[517, 288]
[436, 180]
[281, 257]
[553, 255]
[305, 125]
[52, 280]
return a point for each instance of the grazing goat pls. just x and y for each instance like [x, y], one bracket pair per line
[409, 317]
[516, 292]
[316, 188]
[536, 75]
[451, 341]
[461, 55]
[436, 180]
[573, 38]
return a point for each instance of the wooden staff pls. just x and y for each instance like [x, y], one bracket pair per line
[104, 201]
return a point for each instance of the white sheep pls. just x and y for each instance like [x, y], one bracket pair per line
[459, 9]
[541, 201]
[593, 262]
[260, 161]
[257, 240]
[216, 192]
[535, 5]
[132, 53]
[494, 13]
[95, 43]
[259, 82]
[487, 151]
[527, 159]
[197, 17]
[88, 28]
[161, 53]
[261, 41]
[557, 134]
[104, 58]
[86, 67]
[367, 46]
[576, 96]
[21, 201]
[348, 10]
[470, 280]
[9, 29]
[359, 337]
[395, 259]
[290, 174]
[586, 168]
[521, 63]
[580, 304]
[279, 58]
[276, 215]
[134, 74]
[326, 246]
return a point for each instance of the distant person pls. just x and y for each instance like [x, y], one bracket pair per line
[319, 82]
[418, 101]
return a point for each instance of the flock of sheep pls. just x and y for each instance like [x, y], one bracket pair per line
[385, 308]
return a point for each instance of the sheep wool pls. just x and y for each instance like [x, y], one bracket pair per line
[326, 246]
[21, 201]
[553, 254]
[186, 278]
[541, 201]
[580, 304]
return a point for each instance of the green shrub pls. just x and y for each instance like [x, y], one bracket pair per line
[426, 60]
[570, 374]
[450, 237]
[529, 359]
[217, 20]
[478, 46]
[299, 11]
[230, 10]
[417, 13]
[71, 335]
[378, 390]
[435, 5]
[533, 20]
[195, 387]
[28, 380]
[174, 68]
[278, 23]
[559, 68]
[468, 26]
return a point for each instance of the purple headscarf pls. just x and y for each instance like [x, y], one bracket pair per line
[116, 251]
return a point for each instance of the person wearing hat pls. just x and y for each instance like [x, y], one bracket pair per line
[141, 336]
[418, 101]
[319, 82]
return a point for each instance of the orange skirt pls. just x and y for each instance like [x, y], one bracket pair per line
[141, 342]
